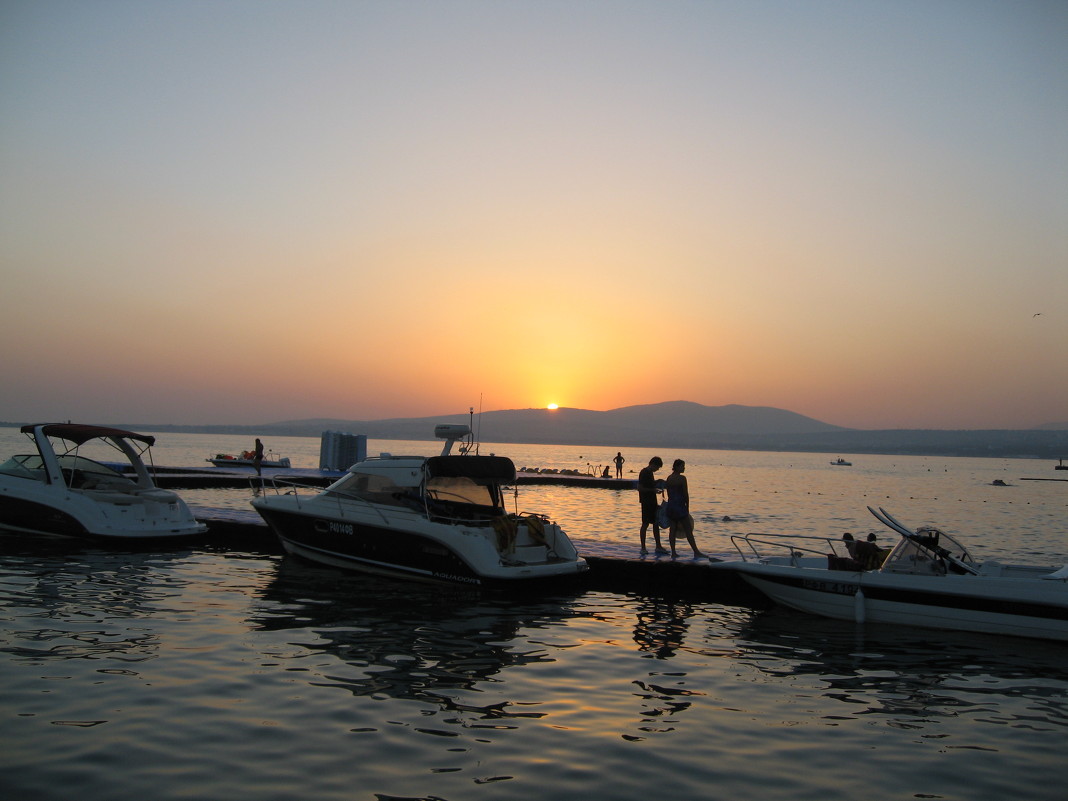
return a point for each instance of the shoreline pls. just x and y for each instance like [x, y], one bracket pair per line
[1037, 444]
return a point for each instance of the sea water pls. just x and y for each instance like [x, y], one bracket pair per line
[214, 673]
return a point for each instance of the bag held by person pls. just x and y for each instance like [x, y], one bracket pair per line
[662, 519]
[675, 510]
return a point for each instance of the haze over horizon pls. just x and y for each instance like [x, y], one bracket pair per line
[266, 211]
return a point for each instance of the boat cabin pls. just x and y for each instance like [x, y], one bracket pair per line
[445, 487]
[73, 455]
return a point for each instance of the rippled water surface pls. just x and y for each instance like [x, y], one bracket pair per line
[215, 673]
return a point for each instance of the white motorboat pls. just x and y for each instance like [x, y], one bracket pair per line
[67, 487]
[928, 579]
[248, 459]
[840, 462]
[439, 518]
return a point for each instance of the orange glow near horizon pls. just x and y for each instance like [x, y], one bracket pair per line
[553, 406]
[539, 244]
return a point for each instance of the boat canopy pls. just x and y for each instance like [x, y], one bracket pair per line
[81, 433]
[492, 468]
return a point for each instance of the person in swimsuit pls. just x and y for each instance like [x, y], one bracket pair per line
[678, 508]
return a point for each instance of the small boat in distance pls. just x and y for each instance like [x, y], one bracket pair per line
[840, 462]
[1060, 465]
[438, 518]
[248, 459]
[68, 486]
[927, 580]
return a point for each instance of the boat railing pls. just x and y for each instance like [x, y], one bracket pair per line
[281, 485]
[303, 492]
[795, 546]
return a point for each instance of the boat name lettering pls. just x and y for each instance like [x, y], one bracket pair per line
[835, 587]
[340, 528]
[462, 579]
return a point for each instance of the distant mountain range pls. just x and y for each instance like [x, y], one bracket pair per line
[678, 424]
[673, 423]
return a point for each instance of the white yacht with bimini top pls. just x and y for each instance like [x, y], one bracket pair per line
[438, 518]
[69, 486]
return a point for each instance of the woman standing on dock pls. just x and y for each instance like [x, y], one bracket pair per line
[678, 508]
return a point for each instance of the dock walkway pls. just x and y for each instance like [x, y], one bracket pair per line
[614, 567]
[242, 478]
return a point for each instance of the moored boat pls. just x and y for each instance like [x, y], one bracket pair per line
[248, 459]
[68, 487]
[928, 579]
[438, 518]
[840, 462]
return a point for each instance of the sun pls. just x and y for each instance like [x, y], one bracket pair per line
[552, 406]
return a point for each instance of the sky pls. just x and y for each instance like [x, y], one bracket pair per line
[249, 212]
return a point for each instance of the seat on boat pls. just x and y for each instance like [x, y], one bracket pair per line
[862, 556]
[870, 555]
[835, 562]
[506, 528]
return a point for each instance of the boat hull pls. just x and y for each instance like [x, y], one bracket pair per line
[19, 514]
[1028, 607]
[402, 544]
[117, 518]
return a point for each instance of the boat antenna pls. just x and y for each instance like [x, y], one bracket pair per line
[478, 436]
[468, 443]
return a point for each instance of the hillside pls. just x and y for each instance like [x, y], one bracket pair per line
[675, 424]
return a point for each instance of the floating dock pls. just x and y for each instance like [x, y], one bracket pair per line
[242, 478]
[613, 567]
[576, 480]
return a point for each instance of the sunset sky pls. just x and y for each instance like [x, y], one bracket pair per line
[246, 212]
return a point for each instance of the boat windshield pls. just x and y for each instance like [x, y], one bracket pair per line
[24, 466]
[382, 489]
[908, 557]
[462, 489]
[924, 553]
[86, 466]
[469, 480]
[372, 487]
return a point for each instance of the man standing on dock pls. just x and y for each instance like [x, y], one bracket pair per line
[647, 495]
[619, 464]
[257, 457]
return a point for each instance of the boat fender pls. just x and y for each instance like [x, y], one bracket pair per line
[858, 606]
